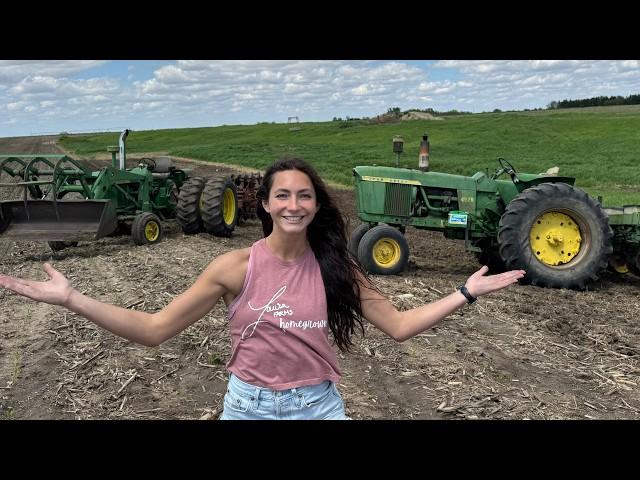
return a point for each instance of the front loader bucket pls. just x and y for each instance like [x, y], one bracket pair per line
[68, 220]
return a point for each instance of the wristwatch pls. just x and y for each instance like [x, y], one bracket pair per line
[470, 298]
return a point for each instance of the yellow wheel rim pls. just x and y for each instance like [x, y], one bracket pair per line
[201, 203]
[386, 252]
[228, 206]
[555, 238]
[151, 231]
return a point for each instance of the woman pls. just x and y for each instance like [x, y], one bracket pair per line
[284, 294]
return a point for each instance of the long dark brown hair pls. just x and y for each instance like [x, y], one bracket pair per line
[327, 236]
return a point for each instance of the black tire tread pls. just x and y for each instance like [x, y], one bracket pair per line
[513, 236]
[356, 237]
[365, 250]
[138, 226]
[634, 265]
[213, 202]
[188, 208]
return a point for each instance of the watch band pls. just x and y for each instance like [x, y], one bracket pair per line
[470, 298]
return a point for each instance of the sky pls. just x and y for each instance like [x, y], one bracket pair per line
[52, 96]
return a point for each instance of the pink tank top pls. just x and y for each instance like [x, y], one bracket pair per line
[278, 323]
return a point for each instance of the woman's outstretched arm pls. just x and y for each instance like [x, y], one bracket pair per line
[221, 276]
[401, 326]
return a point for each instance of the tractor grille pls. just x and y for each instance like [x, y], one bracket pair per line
[397, 200]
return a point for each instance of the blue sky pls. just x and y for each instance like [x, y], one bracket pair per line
[52, 96]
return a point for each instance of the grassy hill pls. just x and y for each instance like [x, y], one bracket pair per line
[598, 145]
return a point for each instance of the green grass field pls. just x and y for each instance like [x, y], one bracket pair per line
[596, 145]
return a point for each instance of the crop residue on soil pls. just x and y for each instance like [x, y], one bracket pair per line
[524, 352]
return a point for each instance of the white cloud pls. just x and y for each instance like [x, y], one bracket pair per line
[195, 92]
[12, 71]
[360, 90]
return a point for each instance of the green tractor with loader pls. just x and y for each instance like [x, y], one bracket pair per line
[541, 223]
[63, 202]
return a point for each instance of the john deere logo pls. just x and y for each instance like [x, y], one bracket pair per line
[390, 180]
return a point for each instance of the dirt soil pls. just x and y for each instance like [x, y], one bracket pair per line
[522, 353]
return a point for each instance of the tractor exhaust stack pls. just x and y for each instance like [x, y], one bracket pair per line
[122, 153]
[423, 157]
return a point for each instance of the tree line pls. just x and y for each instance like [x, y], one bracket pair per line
[601, 101]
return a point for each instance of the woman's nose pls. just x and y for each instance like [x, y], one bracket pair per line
[292, 204]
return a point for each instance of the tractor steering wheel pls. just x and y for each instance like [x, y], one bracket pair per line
[505, 167]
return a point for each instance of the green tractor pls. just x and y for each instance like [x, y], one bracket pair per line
[541, 223]
[63, 202]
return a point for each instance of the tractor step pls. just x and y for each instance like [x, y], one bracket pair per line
[68, 220]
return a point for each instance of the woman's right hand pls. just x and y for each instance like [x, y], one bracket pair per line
[55, 291]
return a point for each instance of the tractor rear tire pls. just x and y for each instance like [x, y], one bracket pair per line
[558, 234]
[190, 205]
[383, 250]
[356, 237]
[220, 206]
[146, 229]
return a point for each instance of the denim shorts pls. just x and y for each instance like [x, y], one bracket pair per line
[314, 402]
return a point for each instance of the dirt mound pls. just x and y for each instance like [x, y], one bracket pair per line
[414, 115]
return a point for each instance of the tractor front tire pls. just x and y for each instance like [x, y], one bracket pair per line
[146, 229]
[383, 250]
[190, 205]
[558, 234]
[220, 206]
[356, 237]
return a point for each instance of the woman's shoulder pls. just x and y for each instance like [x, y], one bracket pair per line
[234, 257]
[229, 269]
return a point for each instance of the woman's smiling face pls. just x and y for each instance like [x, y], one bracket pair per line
[292, 201]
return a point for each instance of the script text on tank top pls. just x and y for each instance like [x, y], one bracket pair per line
[280, 310]
[303, 324]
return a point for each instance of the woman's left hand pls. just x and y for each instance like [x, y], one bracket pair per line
[479, 284]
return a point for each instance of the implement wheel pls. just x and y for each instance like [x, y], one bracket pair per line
[383, 250]
[356, 237]
[490, 256]
[190, 205]
[220, 206]
[634, 265]
[146, 229]
[558, 234]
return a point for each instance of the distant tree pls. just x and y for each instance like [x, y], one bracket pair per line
[596, 102]
[395, 111]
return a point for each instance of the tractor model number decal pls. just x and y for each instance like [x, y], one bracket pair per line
[458, 218]
[390, 180]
